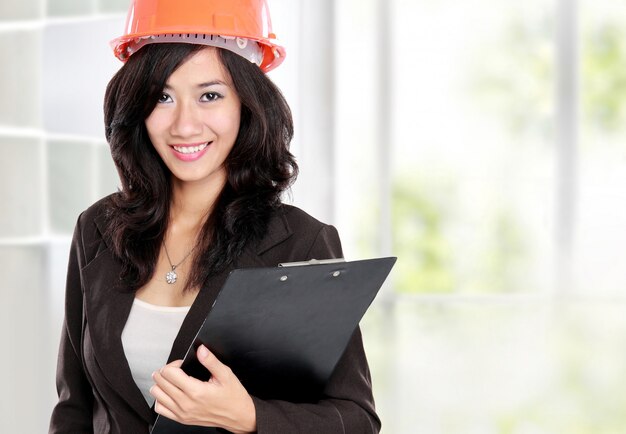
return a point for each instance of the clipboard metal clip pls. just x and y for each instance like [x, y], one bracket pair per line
[312, 262]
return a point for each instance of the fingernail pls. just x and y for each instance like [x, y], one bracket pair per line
[203, 352]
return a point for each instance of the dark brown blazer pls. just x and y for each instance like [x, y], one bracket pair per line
[96, 390]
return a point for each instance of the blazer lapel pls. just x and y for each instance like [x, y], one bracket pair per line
[107, 309]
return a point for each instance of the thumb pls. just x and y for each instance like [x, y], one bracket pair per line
[217, 369]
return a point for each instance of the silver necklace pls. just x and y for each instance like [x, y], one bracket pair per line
[171, 277]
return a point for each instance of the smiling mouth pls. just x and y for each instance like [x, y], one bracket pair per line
[190, 149]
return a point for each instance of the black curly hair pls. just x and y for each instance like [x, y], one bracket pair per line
[259, 167]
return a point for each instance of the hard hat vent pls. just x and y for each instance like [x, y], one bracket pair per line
[245, 48]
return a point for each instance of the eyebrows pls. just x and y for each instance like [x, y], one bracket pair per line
[201, 85]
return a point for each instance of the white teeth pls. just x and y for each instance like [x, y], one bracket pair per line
[190, 149]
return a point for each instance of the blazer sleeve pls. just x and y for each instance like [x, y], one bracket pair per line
[348, 404]
[73, 412]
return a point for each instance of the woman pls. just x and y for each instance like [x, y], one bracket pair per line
[200, 139]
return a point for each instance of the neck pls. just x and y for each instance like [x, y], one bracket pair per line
[192, 203]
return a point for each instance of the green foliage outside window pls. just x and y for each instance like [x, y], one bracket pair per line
[425, 256]
[604, 78]
[515, 80]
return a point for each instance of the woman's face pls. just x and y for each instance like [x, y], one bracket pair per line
[195, 122]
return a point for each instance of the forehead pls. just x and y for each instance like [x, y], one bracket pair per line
[204, 65]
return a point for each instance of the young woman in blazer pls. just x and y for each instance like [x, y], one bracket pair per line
[200, 137]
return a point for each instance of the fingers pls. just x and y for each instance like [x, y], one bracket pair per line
[163, 401]
[174, 392]
[164, 410]
[218, 370]
[222, 401]
[176, 364]
[165, 392]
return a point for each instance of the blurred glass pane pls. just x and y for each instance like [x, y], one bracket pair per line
[114, 6]
[70, 169]
[20, 10]
[357, 175]
[108, 181]
[77, 65]
[502, 367]
[23, 333]
[20, 78]
[20, 187]
[473, 155]
[601, 210]
[69, 7]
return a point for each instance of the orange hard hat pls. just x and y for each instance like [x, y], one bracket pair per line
[241, 26]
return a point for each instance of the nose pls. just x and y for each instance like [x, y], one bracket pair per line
[187, 122]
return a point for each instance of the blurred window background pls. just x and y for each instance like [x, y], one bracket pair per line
[481, 142]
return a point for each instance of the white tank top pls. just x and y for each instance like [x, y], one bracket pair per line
[147, 339]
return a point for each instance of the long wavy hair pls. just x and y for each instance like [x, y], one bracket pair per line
[259, 167]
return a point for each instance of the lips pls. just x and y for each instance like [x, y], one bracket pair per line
[190, 152]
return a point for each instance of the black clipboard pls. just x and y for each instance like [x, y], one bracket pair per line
[283, 329]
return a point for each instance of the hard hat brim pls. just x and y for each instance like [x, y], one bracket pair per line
[270, 56]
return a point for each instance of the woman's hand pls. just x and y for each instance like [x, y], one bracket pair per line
[220, 402]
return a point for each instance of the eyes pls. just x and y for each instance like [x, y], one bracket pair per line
[206, 97]
[210, 96]
[164, 98]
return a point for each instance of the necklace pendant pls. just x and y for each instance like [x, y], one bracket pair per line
[171, 277]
